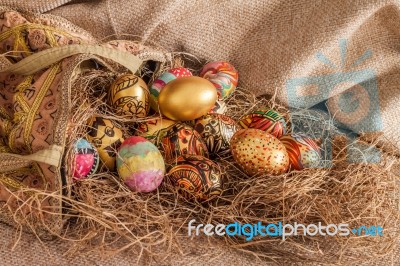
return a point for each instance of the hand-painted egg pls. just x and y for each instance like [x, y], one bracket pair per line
[256, 151]
[181, 139]
[106, 137]
[140, 164]
[86, 159]
[196, 177]
[151, 129]
[164, 79]
[219, 108]
[267, 120]
[187, 98]
[223, 75]
[129, 96]
[217, 131]
[303, 151]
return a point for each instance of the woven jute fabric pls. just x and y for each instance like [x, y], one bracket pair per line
[348, 46]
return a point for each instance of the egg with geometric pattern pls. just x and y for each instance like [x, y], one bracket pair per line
[303, 151]
[106, 136]
[196, 177]
[269, 121]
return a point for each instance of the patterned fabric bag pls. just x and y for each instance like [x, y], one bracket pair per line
[41, 59]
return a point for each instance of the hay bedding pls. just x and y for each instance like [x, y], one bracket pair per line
[106, 217]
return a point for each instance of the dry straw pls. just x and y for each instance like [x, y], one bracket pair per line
[105, 217]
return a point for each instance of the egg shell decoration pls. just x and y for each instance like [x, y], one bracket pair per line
[217, 131]
[256, 151]
[151, 129]
[164, 79]
[86, 159]
[303, 151]
[181, 139]
[269, 121]
[129, 96]
[219, 108]
[223, 75]
[106, 137]
[196, 177]
[140, 164]
[187, 98]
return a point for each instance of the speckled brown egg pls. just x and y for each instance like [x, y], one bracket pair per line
[256, 151]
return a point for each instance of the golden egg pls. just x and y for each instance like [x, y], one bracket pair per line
[105, 135]
[187, 98]
[129, 96]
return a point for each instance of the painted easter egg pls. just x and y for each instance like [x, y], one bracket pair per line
[256, 151]
[106, 137]
[219, 108]
[86, 159]
[269, 121]
[140, 164]
[181, 139]
[217, 131]
[151, 129]
[129, 96]
[196, 177]
[187, 98]
[303, 151]
[223, 75]
[164, 79]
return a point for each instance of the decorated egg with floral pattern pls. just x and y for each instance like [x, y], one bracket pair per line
[106, 136]
[151, 128]
[129, 96]
[219, 108]
[163, 80]
[303, 151]
[180, 139]
[258, 152]
[223, 75]
[140, 164]
[196, 177]
[86, 159]
[269, 121]
[217, 131]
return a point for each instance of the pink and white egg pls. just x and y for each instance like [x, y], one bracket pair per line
[86, 159]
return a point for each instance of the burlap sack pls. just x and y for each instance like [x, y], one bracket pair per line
[275, 45]
[42, 59]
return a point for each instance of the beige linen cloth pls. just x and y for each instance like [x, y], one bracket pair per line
[302, 51]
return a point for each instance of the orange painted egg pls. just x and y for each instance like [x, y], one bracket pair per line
[256, 151]
[181, 139]
[196, 177]
[269, 121]
[303, 151]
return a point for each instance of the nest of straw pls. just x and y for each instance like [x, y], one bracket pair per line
[105, 217]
